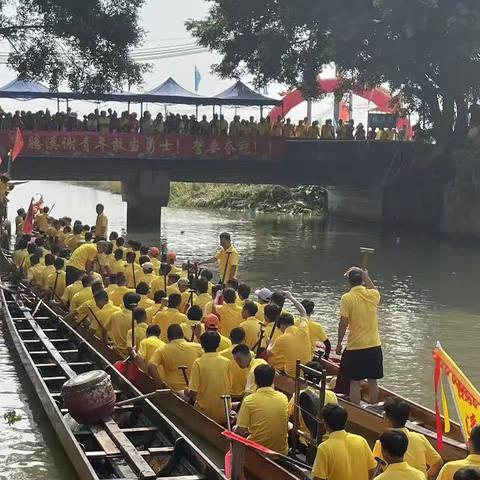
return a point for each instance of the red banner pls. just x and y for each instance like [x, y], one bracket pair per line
[131, 145]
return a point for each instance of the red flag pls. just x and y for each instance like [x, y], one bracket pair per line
[436, 385]
[18, 145]
[28, 224]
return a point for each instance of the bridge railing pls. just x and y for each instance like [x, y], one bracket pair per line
[133, 145]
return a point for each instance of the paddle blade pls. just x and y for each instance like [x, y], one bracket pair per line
[238, 438]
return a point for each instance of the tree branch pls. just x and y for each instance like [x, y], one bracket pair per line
[15, 28]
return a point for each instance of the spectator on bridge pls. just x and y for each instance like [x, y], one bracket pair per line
[327, 132]
[313, 131]
[371, 135]
[277, 127]
[341, 131]
[349, 128]
[288, 129]
[360, 132]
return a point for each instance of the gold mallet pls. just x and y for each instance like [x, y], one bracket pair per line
[365, 253]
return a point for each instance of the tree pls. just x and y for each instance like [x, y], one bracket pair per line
[427, 51]
[84, 43]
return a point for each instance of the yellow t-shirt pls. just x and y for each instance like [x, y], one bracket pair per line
[316, 332]
[145, 302]
[116, 295]
[251, 386]
[75, 241]
[343, 456]
[420, 453]
[116, 266]
[292, 345]
[401, 471]
[82, 296]
[133, 272]
[202, 300]
[211, 378]
[35, 274]
[168, 317]
[57, 280]
[252, 331]
[83, 254]
[185, 305]
[224, 344]
[140, 334]
[177, 353]
[330, 398]
[230, 316]
[359, 306]
[277, 362]
[118, 326]
[148, 346]
[101, 226]
[265, 414]
[233, 260]
[41, 220]
[46, 272]
[148, 278]
[152, 311]
[103, 316]
[71, 290]
[20, 257]
[187, 328]
[157, 284]
[450, 468]
[260, 312]
[239, 375]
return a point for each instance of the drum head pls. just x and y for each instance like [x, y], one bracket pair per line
[86, 379]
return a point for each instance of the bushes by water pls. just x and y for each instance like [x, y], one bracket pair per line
[309, 199]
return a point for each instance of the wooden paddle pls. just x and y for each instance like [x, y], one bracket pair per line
[365, 253]
[184, 371]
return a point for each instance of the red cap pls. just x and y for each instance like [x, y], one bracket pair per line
[154, 252]
[211, 321]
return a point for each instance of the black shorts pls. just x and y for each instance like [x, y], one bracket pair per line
[362, 364]
[73, 274]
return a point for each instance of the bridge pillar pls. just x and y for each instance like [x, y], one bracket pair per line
[356, 204]
[146, 193]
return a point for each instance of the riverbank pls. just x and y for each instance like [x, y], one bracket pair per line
[262, 198]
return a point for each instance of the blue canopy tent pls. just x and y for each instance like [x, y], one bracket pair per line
[24, 90]
[171, 92]
[241, 95]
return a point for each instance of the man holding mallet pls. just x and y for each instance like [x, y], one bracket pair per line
[363, 358]
[227, 258]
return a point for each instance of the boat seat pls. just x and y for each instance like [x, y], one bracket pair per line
[308, 401]
[144, 453]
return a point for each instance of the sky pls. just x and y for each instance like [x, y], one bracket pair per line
[164, 23]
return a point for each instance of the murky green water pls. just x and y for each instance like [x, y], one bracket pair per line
[429, 293]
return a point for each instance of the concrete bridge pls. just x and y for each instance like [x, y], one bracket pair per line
[146, 165]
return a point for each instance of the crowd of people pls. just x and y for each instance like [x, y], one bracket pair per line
[231, 340]
[107, 121]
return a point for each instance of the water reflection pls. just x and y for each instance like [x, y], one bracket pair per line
[429, 288]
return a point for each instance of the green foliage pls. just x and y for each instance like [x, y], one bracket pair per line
[426, 50]
[11, 417]
[82, 42]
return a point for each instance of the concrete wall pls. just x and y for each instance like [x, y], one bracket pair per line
[355, 204]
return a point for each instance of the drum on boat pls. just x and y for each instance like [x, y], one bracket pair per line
[89, 397]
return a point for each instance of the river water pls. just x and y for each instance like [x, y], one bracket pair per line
[429, 293]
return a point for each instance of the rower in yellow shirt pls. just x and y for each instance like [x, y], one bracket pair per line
[133, 272]
[148, 275]
[203, 296]
[169, 316]
[87, 291]
[116, 294]
[121, 322]
[77, 239]
[193, 328]
[56, 281]
[41, 219]
[34, 274]
[230, 314]
[263, 415]
[227, 258]
[264, 295]
[271, 334]
[420, 453]
[140, 331]
[316, 331]
[117, 264]
[189, 296]
[142, 290]
[394, 445]
[343, 455]
[239, 375]
[251, 324]
[160, 304]
[212, 324]
[47, 270]
[246, 360]
[176, 353]
[148, 346]
[70, 292]
[210, 379]
[450, 469]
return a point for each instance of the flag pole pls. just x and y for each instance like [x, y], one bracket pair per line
[9, 162]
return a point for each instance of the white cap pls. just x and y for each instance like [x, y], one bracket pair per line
[148, 266]
[264, 293]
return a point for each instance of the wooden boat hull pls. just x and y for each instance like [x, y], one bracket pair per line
[187, 461]
[256, 465]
